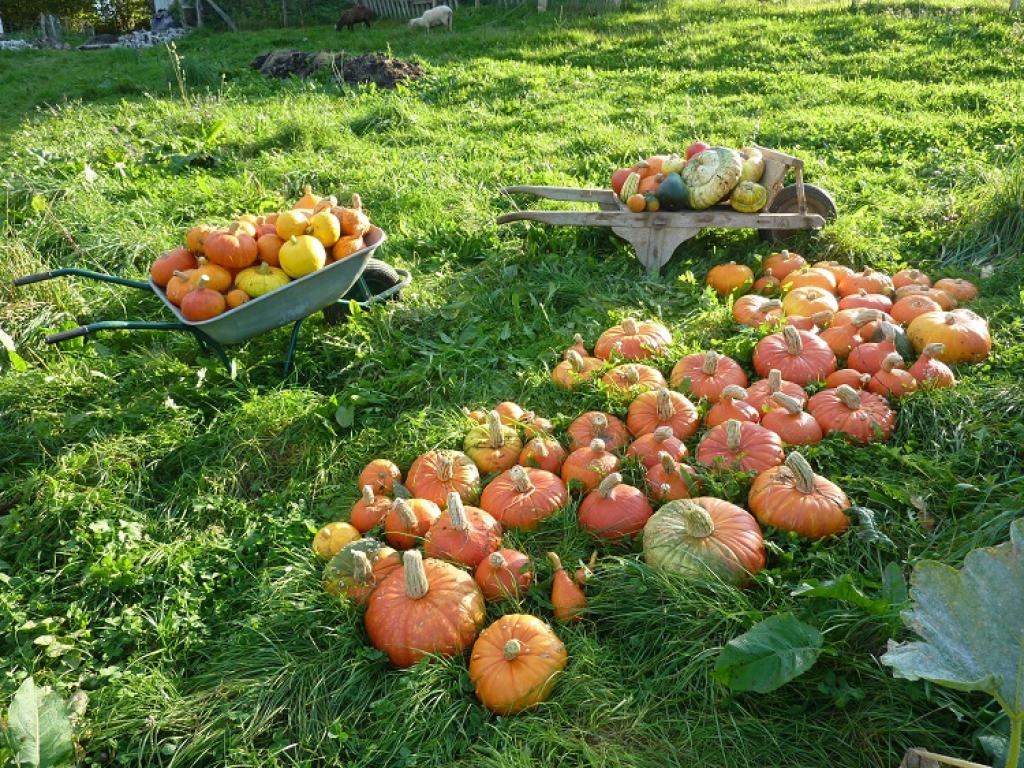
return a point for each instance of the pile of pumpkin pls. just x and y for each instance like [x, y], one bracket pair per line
[221, 268]
[702, 177]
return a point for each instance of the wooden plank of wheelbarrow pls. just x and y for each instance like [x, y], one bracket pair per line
[919, 758]
[684, 219]
[567, 194]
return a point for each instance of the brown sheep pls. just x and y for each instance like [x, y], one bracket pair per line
[357, 14]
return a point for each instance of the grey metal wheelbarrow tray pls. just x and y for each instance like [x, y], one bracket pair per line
[291, 303]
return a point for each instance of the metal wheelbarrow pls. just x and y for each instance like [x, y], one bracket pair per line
[358, 278]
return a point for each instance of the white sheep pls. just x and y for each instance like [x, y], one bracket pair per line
[440, 16]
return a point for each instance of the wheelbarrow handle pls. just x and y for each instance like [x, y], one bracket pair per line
[87, 273]
[38, 277]
[73, 333]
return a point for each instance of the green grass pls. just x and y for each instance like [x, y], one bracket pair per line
[155, 514]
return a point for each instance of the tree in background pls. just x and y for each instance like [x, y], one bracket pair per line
[117, 15]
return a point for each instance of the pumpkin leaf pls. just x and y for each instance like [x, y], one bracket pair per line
[971, 624]
[843, 589]
[867, 530]
[345, 416]
[40, 727]
[768, 655]
[894, 586]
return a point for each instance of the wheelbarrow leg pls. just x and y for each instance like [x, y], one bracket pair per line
[209, 346]
[654, 246]
[293, 342]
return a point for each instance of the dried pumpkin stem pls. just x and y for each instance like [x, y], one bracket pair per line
[362, 571]
[663, 401]
[667, 462]
[791, 404]
[599, 423]
[802, 472]
[661, 434]
[821, 319]
[935, 349]
[497, 437]
[520, 479]
[555, 561]
[575, 360]
[512, 649]
[734, 392]
[405, 513]
[950, 320]
[892, 360]
[733, 434]
[608, 484]
[710, 366]
[696, 520]
[180, 275]
[445, 467]
[849, 396]
[368, 497]
[770, 305]
[774, 380]
[416, 584]
[630, 326]
[597, 445]
[203, 281]
[457, 512]
[357, 202]
[794, 343]
[497, 560]
[866, 316]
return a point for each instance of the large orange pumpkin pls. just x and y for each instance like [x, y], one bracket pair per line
[792, 497]
[381, 475]
[742, 446]
[868, 280]
[231, 248]
[408, 520]
[730, 279]
[861, 416]
[435, 474]
[575, 369]
[633, 377]
[543, 452]
[706, 374]
[369, 511]
[423, 608]
[462, 534]
[670, 479]
[515, 663]
[891, 380]
[791, 423]
[863, 300]
[596, 425]
[169, 262]
[839, 271]
[663, 408]
[493, 446]
[959, 289]
[963, 334]
[910, 277]
[731, 405]
[930, 372]
[905, 310]
[800, 356]
[506, 573]
[522, 497]
[759, 394]
[589, 465]
[633, 340]
[647, 447]
[783, 263]
[754, 310]
[614, 510]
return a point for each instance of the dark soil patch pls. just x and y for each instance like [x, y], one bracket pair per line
[376, 68]
[380, 69]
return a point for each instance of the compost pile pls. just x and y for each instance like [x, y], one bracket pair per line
[833, 358]
[383, 71]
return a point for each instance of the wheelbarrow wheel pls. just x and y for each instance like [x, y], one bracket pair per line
[378, 277]
[819, 201]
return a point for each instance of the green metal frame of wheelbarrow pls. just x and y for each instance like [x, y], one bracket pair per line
[206, 344]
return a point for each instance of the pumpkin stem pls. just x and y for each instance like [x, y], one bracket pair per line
[892, 360]
[597, 445]
[733, 434]
[368, 497]
[802, 472]
[494, 428]
[664, 405]
[791, 404]
[821, 319]
[599, 422]
[710, 363]
[264, 268]
[794, 343]
[357, 202]
[935, 349]
[865, 379]
[849, 396]
[861, 293]
[555, 561]
[405, 513]
[608, 484]
[180, 275]
[630, 326]
[457, 512]
[888, 330]
[445, 467]
[667, 462]
[203, 281]
[771, 305]
[497, 560]
[416, 584]
[696, 520]
[734, 392]
[293, 240]
[575, 360]
[512, 649]
[362, 571]
[866, 316]
[631, 374]
[661, 434]
[578, 339]
[520, 479]
[950, 320]
[774, 380]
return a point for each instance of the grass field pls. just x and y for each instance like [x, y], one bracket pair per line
[156, 514]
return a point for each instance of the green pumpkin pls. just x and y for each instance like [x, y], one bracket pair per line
[748, 197]
[672, 194]
[753, 164]
[342, 565]
[711, 175]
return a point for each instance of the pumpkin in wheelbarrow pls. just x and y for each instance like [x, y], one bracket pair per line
[748, 197]
[711, 175]
[672, 193]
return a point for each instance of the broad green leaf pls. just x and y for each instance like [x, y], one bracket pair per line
[8, 355]
[38, 723]
[769, 655]
[843, 589]
[971, 624]
[894, 586]
[345, 416]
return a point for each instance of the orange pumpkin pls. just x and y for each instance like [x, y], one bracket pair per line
[202, 303]
[839, 271]
[801, 357]
[597, 425]
[910, 277]
[851, 377]
[841, 339]
[511, 414]
[462, 534]
[809, 301]
[589, 465]
[578, 347]
[408, 520]
[963, 334]
[759, 394]
[180, 284]
[863, 300]
[731, 405]
[867, 280]
[522, 497]
[868, 357]
[791, 423]
[663, 408]
[423, 608]
[231, 248]
[905, 310]
[614, 510]
[368, 572]
[792, 497]
[730, 279]
[196, 237]
[575, 369]
[269, 249]
[169, 262]
[647, 447]
[633, 340]
[740, 445]
[930, 371]
[784, 262]
[706, 374]
[767, 284]
[354, 221]
[861, 416]
[813, 323]
[543, 453]
[515, 663]
[633, 377]
[370, 510]
[381, 475]
[236, 298]
[891, 380]
[567, 598]
[669, 479]
[346, 245]
[754, 310]
[504, 574]
[435, 474]
[959, 289]
[810, 277]
[493, 447]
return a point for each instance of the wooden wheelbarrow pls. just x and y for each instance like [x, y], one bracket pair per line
[655, 236]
